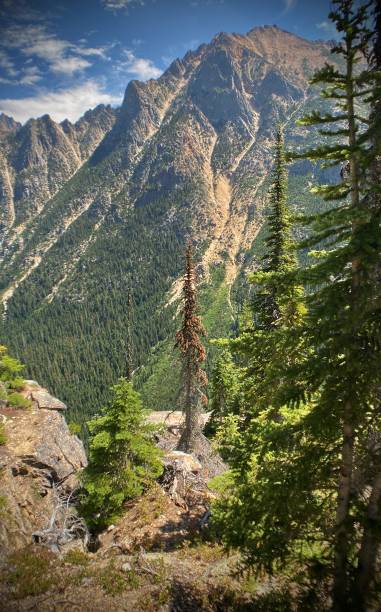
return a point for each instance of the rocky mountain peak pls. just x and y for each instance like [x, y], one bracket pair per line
[8, 125]
[187, 153]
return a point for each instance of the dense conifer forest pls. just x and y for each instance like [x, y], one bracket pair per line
[289, 370]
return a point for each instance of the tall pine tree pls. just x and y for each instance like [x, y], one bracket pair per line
[366, 571]
[344, 307]
[279, 256]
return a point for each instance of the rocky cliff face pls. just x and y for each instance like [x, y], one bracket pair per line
[188, 155]
[39, 466]
[8, 125]
[37, 159]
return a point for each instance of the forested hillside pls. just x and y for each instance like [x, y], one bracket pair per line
[188, 156]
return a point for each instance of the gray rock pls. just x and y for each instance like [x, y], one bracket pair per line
[40, 457]
[47, 401]
[126, 567]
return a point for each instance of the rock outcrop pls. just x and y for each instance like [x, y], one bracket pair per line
[8, 125]
[39, 465]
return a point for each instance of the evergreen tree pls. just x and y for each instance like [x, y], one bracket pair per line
[279, 255]
[193, 354]
[278, 303]
[293, 474]
[259, 442]
[344, 306]
[123, 460]
[371, 539]
[224, 392]
[11, 381]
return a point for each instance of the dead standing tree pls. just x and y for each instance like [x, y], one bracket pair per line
[193, 354]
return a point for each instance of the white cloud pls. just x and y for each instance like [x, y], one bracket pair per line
[328, 27]
[26, 75]
[69, 65]
[7, 64]
[119, 5]
[62, 104]
[289, 5]
[30, 76]
[139, 67]
[62, 56]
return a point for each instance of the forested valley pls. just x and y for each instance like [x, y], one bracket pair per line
[279, 393]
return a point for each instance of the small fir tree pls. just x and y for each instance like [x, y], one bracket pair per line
[193, 354]
[124, 460]
[11, 381]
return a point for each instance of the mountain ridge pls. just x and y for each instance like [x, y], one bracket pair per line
[187, 155]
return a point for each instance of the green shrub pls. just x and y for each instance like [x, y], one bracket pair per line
[74, 428]
[16, 400]
[124, 460]
[10, 380]
[3, 437]
[30, 572]
[76, 557]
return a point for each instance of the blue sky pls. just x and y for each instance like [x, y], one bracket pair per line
[63, 57]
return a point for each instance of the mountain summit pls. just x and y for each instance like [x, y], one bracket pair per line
[91, 207]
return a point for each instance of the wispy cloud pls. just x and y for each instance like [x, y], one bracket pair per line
[7, 65]
[289, 5]
[328, 28]
[120, 5]
[61, 56]
[28, 74]
[61, 104]
[138, 67]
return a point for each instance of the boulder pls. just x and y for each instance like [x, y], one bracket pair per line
[39, 467]
[182, 461]
[46, 401]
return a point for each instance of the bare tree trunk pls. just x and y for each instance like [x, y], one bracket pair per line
[340, 588]
[370, 545]
[190, 409]
[340, 591]
[193, 354]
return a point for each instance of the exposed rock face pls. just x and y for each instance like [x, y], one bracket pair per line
[37, 159]
[39, 466]
[43, 399]
[8, 125]
[188, 155]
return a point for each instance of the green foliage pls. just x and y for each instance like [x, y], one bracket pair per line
[29, 572]
[17, 400]
[76, 557]
[114, 581]
[10, 369]
[74, 428]
[11, 381]
[287, 463]
[3, 437]
[123, 461]
[224, 390]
